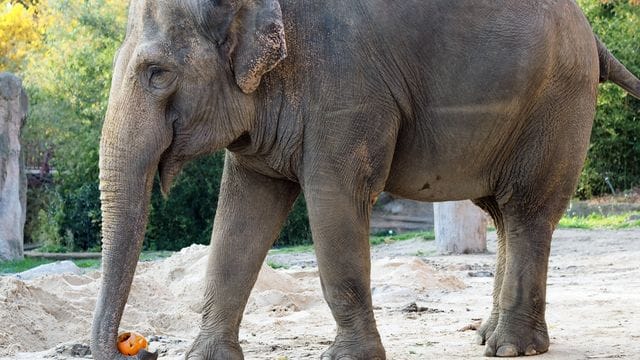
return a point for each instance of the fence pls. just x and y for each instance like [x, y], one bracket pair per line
[37, 157]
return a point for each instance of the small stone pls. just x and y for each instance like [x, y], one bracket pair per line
[480, 274]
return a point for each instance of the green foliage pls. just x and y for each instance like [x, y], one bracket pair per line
[294, 249]
[21, 31]
[38, 200]
[385, 239]
[598, 221]
[16, 266]
[68, 84]
[276, 265]
[88, 263]
[296, 229]
[186, 217]
[44, 225]
[615, 146]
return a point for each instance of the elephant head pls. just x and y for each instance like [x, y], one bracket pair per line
[183, 86]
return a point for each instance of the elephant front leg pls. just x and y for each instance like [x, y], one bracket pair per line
[251, 210]
[340, 227]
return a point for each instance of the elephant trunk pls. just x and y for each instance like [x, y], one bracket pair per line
[129, 157]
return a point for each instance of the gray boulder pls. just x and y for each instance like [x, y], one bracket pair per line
[59, 267]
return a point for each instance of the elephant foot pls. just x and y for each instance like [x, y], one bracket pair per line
[355, 348]
[214, 349]
[486, 329]
[510, 339]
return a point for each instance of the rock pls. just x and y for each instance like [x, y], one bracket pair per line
[74, 350]
[414, 308]
[482, 273]
[13, 182]
[634, 217]
[59, 267]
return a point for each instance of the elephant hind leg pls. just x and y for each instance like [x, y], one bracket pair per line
[517, 324]
[490, 206]
[538, 179]
[520, 328]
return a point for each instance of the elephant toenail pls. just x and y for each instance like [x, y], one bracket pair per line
[507, 351]
[489, 351]
[530, 351]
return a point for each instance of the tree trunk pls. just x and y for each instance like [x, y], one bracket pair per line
[460, 227]
[13, 181]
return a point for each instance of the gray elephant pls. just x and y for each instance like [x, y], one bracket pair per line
[430, 100]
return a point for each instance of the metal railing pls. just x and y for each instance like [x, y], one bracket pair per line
[37, 157]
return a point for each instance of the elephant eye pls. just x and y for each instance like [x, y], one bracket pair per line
[159, 78]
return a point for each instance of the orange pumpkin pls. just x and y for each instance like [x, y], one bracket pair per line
[130, 343]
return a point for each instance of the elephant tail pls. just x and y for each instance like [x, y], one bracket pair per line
[612, 70]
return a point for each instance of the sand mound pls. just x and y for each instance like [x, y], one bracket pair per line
[35, 319]
[400, 280]
[166, 299]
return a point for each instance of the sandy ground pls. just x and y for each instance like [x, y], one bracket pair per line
[593, 309]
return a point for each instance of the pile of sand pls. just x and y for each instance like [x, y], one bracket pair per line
[166, 299]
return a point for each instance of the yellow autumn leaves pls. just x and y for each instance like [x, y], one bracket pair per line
[25, 25]
[21, 30]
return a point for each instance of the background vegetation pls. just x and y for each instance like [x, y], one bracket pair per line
[63, 50]
[615, 149]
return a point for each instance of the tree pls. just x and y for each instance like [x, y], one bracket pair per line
[68, 81]
[21, 32]
[615, 145]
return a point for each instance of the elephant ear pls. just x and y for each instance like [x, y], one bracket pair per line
[259, 43]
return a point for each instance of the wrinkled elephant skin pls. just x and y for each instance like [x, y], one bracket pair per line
[340, 100]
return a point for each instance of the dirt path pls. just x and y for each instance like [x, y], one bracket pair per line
[593, 300]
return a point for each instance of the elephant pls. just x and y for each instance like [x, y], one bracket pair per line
[338, 101]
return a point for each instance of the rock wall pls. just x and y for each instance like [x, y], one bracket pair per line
[13, 183]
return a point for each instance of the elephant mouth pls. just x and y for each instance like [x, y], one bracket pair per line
[171, 162]
[169, 167]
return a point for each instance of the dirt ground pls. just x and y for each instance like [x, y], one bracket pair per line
[593, 298]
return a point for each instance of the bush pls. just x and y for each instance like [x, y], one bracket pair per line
[46, 222]
[296, 230]
[68, 84]
[615, 149]
[186, 217]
